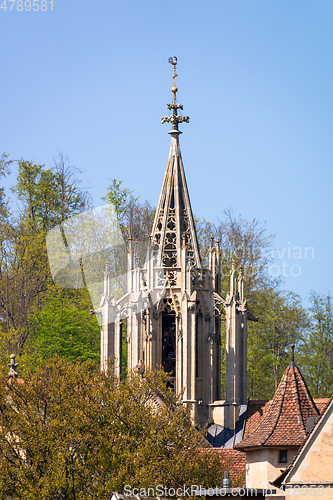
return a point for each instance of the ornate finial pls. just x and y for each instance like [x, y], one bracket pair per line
[174, 119]
[13, 366]
[232, 278]
[293, 353]
[174, 88]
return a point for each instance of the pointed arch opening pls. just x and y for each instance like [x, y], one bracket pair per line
[123, 348]
[198, 346]
[169, 339]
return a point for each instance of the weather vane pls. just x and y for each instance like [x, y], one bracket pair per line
[174, 119]
[174, 88]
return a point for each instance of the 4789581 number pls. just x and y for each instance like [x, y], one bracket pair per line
[26, 5]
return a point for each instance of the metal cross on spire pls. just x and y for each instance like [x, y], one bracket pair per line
[174, 119]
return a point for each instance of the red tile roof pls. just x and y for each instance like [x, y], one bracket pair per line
[236, 464]
[256, 410]
[283, 419]
[321, 404]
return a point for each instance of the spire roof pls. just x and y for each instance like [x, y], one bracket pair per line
[174, 226]
[284, 421]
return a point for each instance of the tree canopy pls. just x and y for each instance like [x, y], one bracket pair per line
[317, 346]
[69, 431]
[47, 197]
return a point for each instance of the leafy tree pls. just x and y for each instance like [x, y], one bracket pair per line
[135, 218]
[5, 232]
[64, 327]
[282, 323]
[246, 243]
[36, 188]
[4, 171]
[121, 198]
[70, 431]
[316, 353]
[24, 276]
[72, 198]
[47, 196]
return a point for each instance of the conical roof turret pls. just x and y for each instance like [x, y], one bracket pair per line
[284, 422]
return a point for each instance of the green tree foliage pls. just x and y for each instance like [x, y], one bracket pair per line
[282, 323]
[64, 327]
[4, 171]
[24, 276]
[316, 353]
[47, 197]
[5, 232]
[135, 218]
[246, 243]
[70, 431]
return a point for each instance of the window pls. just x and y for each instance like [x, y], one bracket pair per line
[283, 456]
[169, 341]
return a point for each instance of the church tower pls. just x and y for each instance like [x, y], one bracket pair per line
[173, 305]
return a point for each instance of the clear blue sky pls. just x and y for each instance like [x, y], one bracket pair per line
[91, 79]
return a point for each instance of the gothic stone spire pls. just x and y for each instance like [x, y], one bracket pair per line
[174, 224]
[169, 305]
